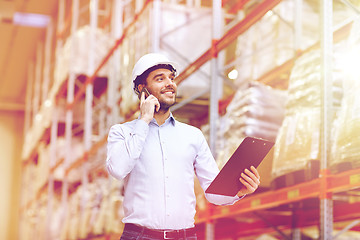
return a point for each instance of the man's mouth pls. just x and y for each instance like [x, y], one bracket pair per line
[168, 92]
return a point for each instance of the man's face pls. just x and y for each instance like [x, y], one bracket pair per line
[160, 83]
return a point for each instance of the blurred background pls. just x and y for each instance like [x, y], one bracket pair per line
[282, 70]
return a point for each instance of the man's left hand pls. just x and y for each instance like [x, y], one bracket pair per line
[250, 181]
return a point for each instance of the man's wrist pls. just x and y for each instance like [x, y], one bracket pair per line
[146, 119]
[241, 195]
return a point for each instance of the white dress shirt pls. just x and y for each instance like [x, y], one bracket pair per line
[158, 164]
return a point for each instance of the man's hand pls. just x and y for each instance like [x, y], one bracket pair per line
[250, 180]
[148, 106]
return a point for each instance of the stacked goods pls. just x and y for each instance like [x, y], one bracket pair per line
[42, 166]
[93, 211]
[70, 218]
[270, 41]
[137, 38]
[77, 151]
[77, 50]
[114, 211]
[298, 140]
[75, 54]
[180, 25]
[345, 152]
[255, 112]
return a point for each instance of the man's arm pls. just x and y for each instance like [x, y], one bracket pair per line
[206, 170]
[124, 147]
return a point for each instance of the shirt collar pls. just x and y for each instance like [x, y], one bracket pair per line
[170, 119]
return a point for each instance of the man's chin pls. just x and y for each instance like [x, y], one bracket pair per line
[165, 105]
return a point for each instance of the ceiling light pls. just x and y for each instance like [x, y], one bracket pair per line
[233, 74]
[31, 19]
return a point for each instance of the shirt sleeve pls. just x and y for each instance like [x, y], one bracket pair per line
[206, 170]
[124, 147]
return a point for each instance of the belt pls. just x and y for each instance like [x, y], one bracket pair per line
[161, 234]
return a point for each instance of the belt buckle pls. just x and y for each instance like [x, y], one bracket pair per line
[165, 235]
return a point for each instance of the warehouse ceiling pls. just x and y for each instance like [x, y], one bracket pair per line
[17, 49]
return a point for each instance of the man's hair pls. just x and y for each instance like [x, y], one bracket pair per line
[141, 79]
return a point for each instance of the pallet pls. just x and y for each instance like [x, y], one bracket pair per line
[343, 166]
[310, 172]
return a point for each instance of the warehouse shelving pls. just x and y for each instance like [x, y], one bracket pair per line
[224, 217]
[273, 201]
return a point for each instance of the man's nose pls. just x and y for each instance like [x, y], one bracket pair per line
[170, 82]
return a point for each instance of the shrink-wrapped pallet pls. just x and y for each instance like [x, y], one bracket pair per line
[76, 51]
[347, 125]
[90, 224]
[136, 44]
[77, 151]
[298, 141]
[85, 209]
[100, 205]
[42, 121]
[257, 111]
[56, 220]
[41, 217]
[270, 41]
[115, 212]
[180, 26]
[70, 227]
[42, 167]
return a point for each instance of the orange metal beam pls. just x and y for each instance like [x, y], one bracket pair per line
[90, 79]
[334, 183]
[228, 38]
[344, 181]
[304, 218]
[78, 162]
[238, 6]
[52, 170]
[266, 200]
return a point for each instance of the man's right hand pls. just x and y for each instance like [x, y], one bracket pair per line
[148, 107]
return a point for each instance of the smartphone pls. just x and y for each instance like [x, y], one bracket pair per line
[145, 91]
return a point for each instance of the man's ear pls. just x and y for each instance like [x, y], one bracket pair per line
[140, 87]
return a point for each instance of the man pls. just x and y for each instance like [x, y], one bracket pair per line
[157, 157]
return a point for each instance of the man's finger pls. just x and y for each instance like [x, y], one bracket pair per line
[142, 98]
[254, 170]
[157, 106]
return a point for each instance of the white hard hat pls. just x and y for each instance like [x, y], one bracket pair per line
[150, 60]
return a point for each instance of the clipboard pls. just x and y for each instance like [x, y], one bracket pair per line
[249, 153]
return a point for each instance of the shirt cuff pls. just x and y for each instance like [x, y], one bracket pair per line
[240, 197]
